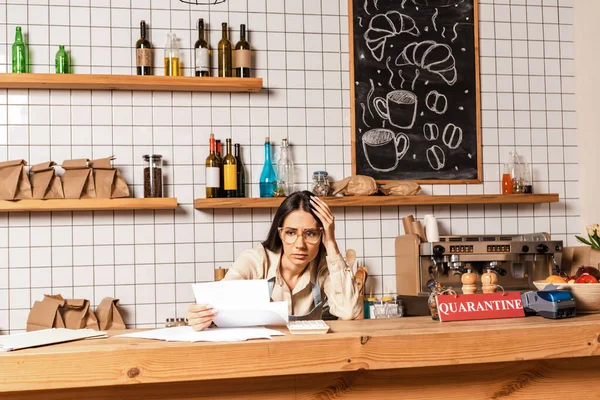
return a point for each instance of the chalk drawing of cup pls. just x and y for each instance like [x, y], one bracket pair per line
[384, 149]
[399, 107]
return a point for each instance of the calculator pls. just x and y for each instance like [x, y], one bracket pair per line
[308, 327]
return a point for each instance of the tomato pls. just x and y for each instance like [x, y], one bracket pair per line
[586, 278]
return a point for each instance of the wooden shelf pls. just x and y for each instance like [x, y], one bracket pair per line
[367, 201]
[88, 205]
[129, 82]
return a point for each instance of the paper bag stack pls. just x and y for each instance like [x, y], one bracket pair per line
[14, 183]
[78, 182]
[45, 183]
[108, 180]
[55, 312]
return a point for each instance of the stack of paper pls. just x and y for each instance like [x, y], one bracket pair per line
[46, 336]
[187, 334]
[241, 303]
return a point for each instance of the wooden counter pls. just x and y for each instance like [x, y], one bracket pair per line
[378, 359]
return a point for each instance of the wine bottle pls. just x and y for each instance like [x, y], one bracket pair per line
[243, 55]
[61, 61]
[19, 53]
[241, 173]
[171, 56]
[230, 170]
[285, 170]
[143, 52]
[224, 53]
[222, 174]
[213, 170]
[202, 52]
[267, 176]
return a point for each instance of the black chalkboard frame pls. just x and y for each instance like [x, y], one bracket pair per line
[354, 129]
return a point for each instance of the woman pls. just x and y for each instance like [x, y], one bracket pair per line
[302, 263]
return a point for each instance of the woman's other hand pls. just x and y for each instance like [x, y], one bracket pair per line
[326, 216]
[200, 316]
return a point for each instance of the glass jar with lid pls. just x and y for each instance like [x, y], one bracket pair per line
[321, 186]
[153, 178]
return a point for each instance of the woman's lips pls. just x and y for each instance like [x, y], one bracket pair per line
[299, 256]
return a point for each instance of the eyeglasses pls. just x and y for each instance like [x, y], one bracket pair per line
[290, 235]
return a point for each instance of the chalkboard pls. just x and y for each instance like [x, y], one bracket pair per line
[415, 90]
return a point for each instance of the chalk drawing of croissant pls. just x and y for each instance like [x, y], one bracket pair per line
[384, 26]
[437, 3]
[431, 56]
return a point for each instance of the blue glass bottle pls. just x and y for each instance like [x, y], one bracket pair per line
[268, 179]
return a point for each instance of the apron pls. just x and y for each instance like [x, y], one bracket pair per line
[317, 310]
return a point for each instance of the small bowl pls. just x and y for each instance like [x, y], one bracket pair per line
[587, 295]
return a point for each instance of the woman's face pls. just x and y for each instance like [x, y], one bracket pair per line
[304, 227]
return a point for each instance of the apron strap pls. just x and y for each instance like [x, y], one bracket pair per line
[316, 291]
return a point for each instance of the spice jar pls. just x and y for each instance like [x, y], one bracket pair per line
[153, 180]
[170, 322]
[180, 322]
[321, 185]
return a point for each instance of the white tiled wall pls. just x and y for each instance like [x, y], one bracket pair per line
[149, 259]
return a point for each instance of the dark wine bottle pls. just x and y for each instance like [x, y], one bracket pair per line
[243, 55]
[241, 173]
[230, 171]
[213, 171]
[202, 52]
[221, 175]
[224, 54]
[143, 52]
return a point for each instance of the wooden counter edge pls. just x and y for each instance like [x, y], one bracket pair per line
[104, 364]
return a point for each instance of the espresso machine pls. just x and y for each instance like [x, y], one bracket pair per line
[518, 260]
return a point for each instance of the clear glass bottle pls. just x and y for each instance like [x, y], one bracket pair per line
[515, 173]
[285, 170]
[268, 178]
[61, 60]
[321, 185]
[172, 67]
[527, 179]
[432, 302]
[507, 184]
[19, 53]
[153, 177]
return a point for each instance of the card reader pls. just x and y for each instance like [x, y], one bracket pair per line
[549, 303]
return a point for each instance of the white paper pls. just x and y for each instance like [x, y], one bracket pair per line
[44, 337]
[241, 303]
[187, 334]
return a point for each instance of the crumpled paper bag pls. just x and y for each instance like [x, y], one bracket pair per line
[108, 180]
[109, 316]
[14, 183]
[400, 188]
[355, 185]
[45, 314]
[45, 183]
[55, 312]
[78, 182]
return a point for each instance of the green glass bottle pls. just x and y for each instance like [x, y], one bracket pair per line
[19, 53]
[62, 60]
[224, 53]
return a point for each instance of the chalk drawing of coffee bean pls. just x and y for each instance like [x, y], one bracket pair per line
[436, 157]
[431, 131]
[436, 102]
[452, 136]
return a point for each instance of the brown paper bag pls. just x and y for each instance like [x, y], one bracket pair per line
[77, 314]
[78, 182]
[108, 314]
[45, 314]
[355, 185]
[574, 257]
[108, 180]
[14, 183]
[400, 188]
[45, 183]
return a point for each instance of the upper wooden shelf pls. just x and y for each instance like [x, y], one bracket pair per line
[88, 205]
[366, 201]
[129, 82]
